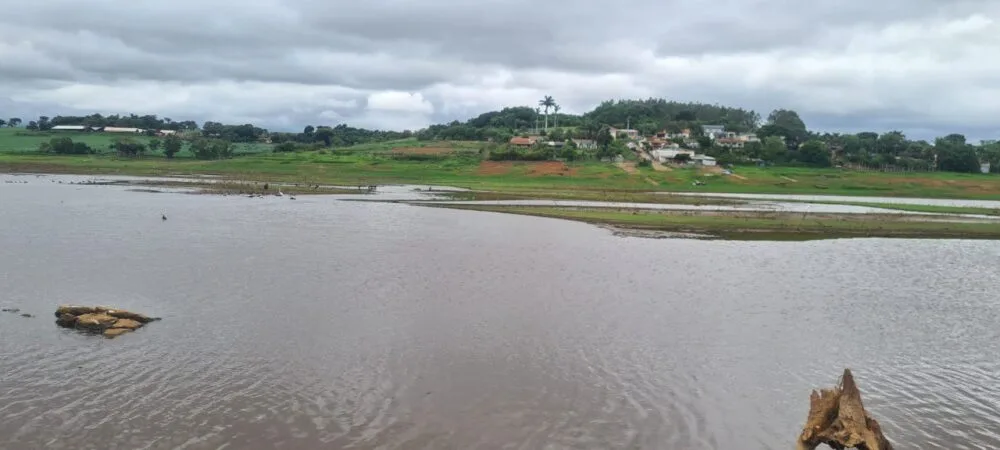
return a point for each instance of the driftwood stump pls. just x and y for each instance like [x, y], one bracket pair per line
[838, 419]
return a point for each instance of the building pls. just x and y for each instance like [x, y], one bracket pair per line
[984, 167]
[70, 128]
[730, 142]
[703, 160]
[631, 134]
[713, 131]
[585, 144]
[667, 155]
[123, 130]
[522, 142]
[166, 132]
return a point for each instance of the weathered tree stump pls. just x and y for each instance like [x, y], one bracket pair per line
[838, 419]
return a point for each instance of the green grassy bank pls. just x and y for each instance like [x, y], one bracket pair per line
[460, 164]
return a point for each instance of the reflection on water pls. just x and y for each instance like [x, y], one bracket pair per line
[749, 206]
[327, 324]
[992, 204]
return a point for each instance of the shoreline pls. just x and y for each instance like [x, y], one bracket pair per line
[638, 214]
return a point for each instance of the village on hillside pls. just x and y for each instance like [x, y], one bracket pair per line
[662, 147]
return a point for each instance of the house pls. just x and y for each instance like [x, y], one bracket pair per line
[631, 134]
[522, 142]
[748, 137]
[165, 132]
[714, 130]
[984, 167]
[703, 160]
[730, 142]
[666, 155]
[585, 144]
[70, 128]
[122, 130]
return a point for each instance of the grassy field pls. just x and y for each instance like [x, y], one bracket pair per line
[458, 163]
[760, 225]
[21, 141]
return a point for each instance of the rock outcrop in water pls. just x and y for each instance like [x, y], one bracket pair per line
[838, 419]
[110, 322]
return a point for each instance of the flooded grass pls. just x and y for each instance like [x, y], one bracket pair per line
[762, 225]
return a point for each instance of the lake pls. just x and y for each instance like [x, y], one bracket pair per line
[319, 323]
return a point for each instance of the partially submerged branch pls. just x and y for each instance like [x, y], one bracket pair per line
[838, 419]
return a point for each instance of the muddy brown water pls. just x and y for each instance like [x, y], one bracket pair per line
[317, 323]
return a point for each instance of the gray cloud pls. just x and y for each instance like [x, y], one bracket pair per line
[921, 65]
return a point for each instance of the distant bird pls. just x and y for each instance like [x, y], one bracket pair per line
[291, 197]
[279, 194]
[164, 216]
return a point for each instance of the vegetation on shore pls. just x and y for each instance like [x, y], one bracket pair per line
[460, 164]
[760, 225]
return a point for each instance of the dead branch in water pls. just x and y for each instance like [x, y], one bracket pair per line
[838, 419]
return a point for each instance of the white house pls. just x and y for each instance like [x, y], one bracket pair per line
[703, 160]
[632, 134]
[123, 130]
[70, 128]
[668, 154]
[714, 130]
[984, 167]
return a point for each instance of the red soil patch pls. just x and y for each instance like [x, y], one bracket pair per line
[549, 168]
[534, 169]
[423, 150]
[494, 167]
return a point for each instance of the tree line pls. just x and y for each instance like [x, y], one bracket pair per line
[784, 137]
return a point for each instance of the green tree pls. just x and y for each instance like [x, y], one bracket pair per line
[154, 145]
[208, 148]
[13, 122]
[285, 147]
[555, 117]
[814, 153]
[126, 146]
[546, 103]
[774, 149]
[32, 125]
[324, 134]
[3, 123]
[171, 145]
[308, 130]
[43, 123]
[753, 149]
[557, 135]
[604, 138]
[955, 155]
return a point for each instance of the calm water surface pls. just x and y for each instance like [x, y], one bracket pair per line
[317, 323]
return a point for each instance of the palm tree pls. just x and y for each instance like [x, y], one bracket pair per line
[555, 119]
[547, 102]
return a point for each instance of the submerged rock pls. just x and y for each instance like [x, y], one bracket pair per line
[105, 320]
[11, 310]
[127, 324]
[115, 332]
[27, 315]
[66, 320]
[95, 322]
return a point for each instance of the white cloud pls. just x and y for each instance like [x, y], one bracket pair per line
[845, 64]
[396, 101]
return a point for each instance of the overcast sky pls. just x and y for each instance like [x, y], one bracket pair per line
[927, 67]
